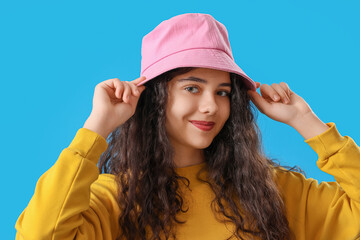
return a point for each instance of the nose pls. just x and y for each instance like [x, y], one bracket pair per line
[208, 104]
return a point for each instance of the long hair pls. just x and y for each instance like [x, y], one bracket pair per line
[140, 156]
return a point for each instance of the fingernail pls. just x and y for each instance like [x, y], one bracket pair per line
[276, 97]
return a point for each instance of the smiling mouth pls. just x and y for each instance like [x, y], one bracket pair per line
[204, 127]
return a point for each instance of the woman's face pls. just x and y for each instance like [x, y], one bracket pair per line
[199, 95]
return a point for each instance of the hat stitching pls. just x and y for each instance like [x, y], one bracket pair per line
[182, 51]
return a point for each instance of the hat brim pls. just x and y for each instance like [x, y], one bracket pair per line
[203, 57]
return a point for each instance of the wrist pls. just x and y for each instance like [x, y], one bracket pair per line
[309, 125]
[95, 126]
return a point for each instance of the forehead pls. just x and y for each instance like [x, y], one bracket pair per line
[204, 76]
[200, 80]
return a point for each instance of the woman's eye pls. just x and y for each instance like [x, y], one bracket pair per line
[224, 93]
[190, 88]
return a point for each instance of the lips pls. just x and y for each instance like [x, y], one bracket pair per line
[203, 125]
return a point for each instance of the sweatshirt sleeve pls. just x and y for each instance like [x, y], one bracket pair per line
[329, 210]
[67, 204]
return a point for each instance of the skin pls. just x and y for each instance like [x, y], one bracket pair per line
[115, 101]
[208, 102]
[288, 108]
[191, 100]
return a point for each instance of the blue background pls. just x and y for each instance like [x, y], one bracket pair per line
[53, 54]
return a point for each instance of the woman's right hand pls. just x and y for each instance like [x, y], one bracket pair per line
[114, 103]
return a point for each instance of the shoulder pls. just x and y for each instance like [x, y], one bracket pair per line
[105, 183]
[283, 176]
[294, 185]
[104, 191]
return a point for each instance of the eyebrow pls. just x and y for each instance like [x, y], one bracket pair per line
[196, 79]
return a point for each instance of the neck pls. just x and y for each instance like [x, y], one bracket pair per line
[186, 156]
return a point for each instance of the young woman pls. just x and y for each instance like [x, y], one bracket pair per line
[184, 159]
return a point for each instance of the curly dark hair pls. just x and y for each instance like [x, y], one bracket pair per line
[141, 158]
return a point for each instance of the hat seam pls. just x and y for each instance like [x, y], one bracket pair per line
[182, 51]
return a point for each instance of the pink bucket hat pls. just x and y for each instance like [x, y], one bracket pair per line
[188, 40]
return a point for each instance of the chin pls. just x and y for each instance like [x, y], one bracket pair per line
[201, 145]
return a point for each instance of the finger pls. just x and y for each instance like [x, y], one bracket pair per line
[112, 86]
[258, 101]
[134, 89]
[268, 92]
[286, 88]
[138, 80]
[110, 83]
[119, 88]
[281, 92]
[127, 92]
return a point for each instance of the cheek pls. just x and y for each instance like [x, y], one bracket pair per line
[182, 107]
[225, 111]
[178, 113]
[177, 116]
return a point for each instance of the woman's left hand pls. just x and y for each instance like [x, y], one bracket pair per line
[288, 106]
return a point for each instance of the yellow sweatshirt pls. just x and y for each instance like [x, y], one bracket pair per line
[73, 201]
